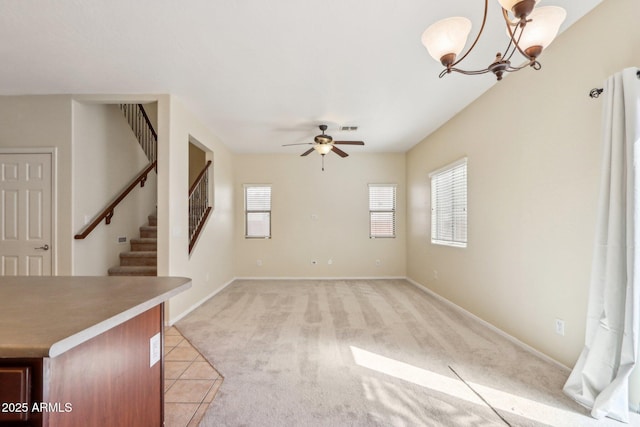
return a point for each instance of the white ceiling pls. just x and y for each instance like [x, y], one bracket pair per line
[259, 73]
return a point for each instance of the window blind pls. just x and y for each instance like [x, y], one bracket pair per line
[382, 210]
[449, 205]
[257, 211]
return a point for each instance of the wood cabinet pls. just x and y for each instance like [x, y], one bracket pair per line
[17, 399]
[83, 351]
[105, 381]
[15, 391]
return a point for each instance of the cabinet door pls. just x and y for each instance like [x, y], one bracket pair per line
[15, 393]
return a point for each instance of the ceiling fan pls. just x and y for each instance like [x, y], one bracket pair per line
[324, 143]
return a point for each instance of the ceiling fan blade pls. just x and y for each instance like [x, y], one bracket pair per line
[307, 152]
[349, 142]
[300, 143]
[339, 152]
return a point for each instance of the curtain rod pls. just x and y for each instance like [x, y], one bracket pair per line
[595, 92]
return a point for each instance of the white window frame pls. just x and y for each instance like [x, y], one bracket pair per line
[264, 211]
[374, 210]
[456, 210]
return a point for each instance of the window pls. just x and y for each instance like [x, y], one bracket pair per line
[257, 210]
[449, 205]
[382, 210]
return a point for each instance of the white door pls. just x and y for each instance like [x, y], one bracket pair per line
[25, 214]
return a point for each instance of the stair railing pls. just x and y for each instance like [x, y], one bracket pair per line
[142, 128]
[199, 206]
[148, 139]
[107, 213]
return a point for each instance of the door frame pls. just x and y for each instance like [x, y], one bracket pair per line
[53, 152]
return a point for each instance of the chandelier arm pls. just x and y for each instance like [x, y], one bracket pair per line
[532, 63]
[484, 20]
[515, 43]
[468, 73]
[506, 55]
[506, 20]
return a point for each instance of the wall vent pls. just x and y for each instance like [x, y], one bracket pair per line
[348, 128]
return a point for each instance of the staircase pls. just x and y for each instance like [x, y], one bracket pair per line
[142, 259]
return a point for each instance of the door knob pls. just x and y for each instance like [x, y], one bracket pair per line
[44, 248]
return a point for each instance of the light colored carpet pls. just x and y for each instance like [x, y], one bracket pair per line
[366, 353]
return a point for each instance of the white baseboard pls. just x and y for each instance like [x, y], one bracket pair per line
[490, 326]
[174, 320]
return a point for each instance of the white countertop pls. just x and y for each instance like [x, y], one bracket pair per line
[46, 316]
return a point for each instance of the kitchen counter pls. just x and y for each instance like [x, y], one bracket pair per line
[79, 351]
[46, 316]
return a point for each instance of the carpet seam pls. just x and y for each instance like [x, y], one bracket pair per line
[480, 396]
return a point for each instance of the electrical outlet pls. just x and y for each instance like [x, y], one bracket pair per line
[154, 349]
[560, 327]
[378, 262]
[259, 263]
[435, 274]
[330, 261]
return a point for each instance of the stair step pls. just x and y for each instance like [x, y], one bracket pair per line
[139, 258]
[142, 260]
[149, 231]
[153, 220]
[144, 244]
[133, 271]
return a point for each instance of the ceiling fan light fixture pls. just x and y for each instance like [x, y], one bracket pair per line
[323, 139]
[324, 144]
[323, 148]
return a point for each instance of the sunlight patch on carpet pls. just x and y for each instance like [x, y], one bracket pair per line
[506, 402]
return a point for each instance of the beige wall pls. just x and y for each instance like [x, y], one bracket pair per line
[533, 144]
[45, 121]
[338, 198]
[106, 157]
[210, 265]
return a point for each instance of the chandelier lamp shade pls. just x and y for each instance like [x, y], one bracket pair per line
[529, 30]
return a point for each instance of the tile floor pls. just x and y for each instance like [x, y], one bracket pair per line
[190, 382]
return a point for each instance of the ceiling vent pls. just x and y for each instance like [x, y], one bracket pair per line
[348, 128]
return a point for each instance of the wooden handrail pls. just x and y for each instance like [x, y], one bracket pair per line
[200, 175]
[107, 213]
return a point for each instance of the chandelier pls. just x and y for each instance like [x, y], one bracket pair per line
[529, 30]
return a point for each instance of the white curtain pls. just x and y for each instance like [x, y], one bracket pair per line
[600, 379]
